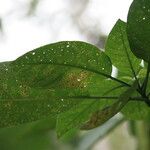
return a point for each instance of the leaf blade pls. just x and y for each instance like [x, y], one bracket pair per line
[138, 28]
[117, 47]
[32, 89]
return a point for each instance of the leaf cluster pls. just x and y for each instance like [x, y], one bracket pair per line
[71, 82]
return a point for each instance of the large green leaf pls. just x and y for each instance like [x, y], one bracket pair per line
[47, 80]
[118, 49]
[100, 109]
[101, 116]
[138, 28]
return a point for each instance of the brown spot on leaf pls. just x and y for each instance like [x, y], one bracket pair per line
[24, 90]
[8, 104]
[76, 80]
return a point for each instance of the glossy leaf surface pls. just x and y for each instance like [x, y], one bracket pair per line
[138, 28]
[45, 82]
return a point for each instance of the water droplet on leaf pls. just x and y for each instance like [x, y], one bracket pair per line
[78, 80]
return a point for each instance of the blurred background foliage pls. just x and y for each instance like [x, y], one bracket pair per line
[117, 133]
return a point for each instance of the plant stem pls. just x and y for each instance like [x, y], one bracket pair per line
[108, 97]
[144, 86]
[129, 60]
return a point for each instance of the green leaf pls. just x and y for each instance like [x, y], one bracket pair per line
[136, 111]
[118, 49]
[74, 118]
[101, 116]
[47, 80]
[69, 54]
[138, 28]
[32, 136]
